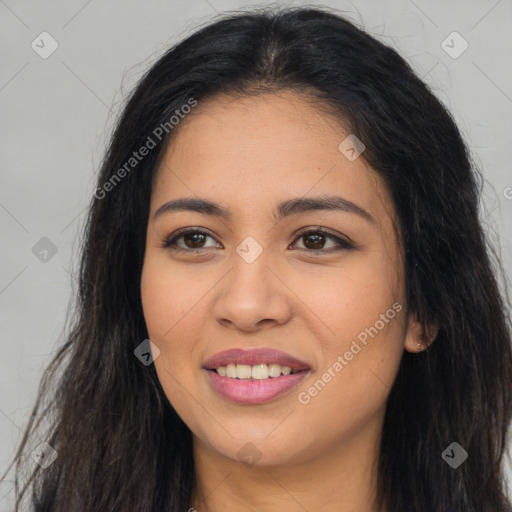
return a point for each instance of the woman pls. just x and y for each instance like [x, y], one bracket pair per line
[286, 297]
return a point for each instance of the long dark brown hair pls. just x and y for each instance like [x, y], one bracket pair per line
[120, 444]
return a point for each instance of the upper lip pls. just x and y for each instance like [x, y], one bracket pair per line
[253, 357]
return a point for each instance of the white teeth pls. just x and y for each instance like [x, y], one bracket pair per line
[257, 372]
[274, 370]
[260, 371]
[286, 370]
[243, 371]
[231, 371]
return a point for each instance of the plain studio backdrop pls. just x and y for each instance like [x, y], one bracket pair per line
[59, 99]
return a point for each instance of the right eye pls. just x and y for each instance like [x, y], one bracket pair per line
[193, 239]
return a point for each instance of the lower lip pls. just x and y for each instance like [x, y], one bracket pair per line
[254, 391]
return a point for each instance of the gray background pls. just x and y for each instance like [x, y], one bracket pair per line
[57, 114]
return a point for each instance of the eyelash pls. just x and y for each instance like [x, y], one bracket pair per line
[342, 244]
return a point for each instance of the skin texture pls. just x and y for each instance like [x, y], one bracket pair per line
[248, 154]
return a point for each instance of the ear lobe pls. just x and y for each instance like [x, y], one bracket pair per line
[418, 337]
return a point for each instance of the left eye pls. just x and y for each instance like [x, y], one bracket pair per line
[316, 238]
[314, 241]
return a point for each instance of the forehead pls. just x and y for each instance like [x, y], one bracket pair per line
[255, 150]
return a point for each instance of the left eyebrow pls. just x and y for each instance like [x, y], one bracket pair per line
[332, 203]
[284, 209]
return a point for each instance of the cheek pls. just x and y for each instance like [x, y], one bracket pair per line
[165, 311]
[174, 308]
[350, 387]
[351, 299]
[168, 297]
[364, 310]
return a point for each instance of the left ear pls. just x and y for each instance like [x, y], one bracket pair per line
[418, 337]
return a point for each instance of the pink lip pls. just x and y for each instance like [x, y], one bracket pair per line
[244, 391]
[254, 391]
[254, 356]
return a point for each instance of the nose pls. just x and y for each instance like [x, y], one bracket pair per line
[253, 296]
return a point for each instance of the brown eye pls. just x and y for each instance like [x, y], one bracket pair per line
[191, 239]
[194, 240]
[315, 241]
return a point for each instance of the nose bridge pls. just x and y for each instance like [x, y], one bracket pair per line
[250, 275]
[251, 292]
[250, 250]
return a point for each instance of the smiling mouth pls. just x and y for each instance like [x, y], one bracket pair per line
[255, 376]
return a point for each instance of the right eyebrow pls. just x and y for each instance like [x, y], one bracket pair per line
[193, 204]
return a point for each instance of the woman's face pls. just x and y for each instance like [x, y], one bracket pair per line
[250, 280]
